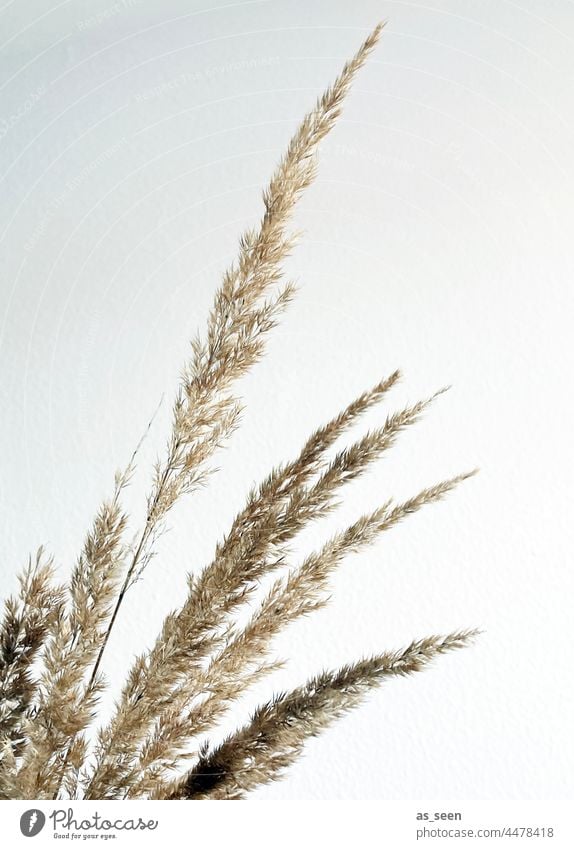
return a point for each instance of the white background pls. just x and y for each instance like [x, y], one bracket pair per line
[135, 138]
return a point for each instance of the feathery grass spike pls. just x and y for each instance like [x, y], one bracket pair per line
[263, 749]
[208, 653]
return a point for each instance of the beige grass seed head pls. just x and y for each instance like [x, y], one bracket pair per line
[53, 639]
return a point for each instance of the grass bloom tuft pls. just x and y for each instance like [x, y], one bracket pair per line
[53, 638]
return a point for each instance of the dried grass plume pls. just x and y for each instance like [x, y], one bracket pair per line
[53, 637]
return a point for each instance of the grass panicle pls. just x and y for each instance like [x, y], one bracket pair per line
[220, 640]
[263, 749]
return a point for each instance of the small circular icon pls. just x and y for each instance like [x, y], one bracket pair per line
[32, 822]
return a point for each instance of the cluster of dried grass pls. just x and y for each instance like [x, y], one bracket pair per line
[52, 638]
